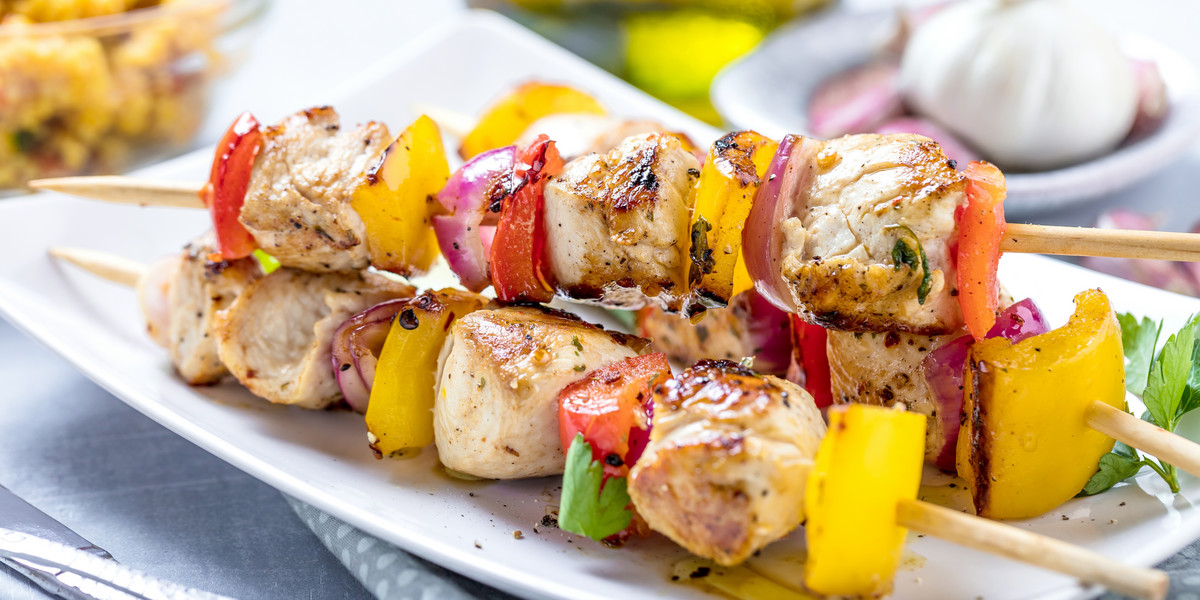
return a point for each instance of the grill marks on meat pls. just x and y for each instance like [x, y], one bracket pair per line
[837, 253]
[298, 203]
[500, 372]
[198, 292]
[885, 368]
[276, 337]
[616, 223]
[727, 464]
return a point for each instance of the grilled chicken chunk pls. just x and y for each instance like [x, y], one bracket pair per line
[727, 464]
[616, 223]
[883, 369]
[867, 198]
[276, 337]
[298, 203]
[496, 409]
[731, 333]
[182, 296]
[579, 134]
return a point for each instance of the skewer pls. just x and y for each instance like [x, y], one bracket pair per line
[1147, 437]
[114, 268]
[126, 190]
[1031, 548]
[1019, 237]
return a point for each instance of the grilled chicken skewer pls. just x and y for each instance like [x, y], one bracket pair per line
[615, 239]
[751, 439]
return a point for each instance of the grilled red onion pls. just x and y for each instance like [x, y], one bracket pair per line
[769, 333]
[944, 368]
[356, 347]
[780, 197]
[465, 235]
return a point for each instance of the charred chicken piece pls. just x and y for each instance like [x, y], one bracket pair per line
[276, 337]
[727, 464]
[616, 223]
[870, 247]
[298, 204]
[496, 408]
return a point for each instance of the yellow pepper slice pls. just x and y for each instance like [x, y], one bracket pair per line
[869, 461]
[400, 195]
[504, 122]
[400, 412]
[1025, 447]
[732, 173]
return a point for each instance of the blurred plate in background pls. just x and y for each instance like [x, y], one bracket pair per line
[768, 90]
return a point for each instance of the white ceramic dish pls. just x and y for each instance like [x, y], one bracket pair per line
[321, 457]
[796, 58]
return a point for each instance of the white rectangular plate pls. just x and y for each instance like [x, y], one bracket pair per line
[322, 458]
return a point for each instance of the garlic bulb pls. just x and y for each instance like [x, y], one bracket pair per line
[1032, 84]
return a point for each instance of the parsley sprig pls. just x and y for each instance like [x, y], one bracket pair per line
[1169, 385]
[590, 505]
[909, 251]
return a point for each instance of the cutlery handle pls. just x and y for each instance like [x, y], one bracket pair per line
[43, 557]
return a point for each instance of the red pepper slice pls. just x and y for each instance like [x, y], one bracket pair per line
[810, 362]
[225, 191]
[609, 408]
[520, 270]
[980, 228]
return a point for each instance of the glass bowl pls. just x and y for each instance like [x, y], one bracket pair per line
[104, 94]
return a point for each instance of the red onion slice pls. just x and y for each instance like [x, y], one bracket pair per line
[856, 100]
[782, 196]
[944, 369]
[769, 333]
[356, 347]
[468, 193]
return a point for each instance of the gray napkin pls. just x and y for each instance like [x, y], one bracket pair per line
[393, 574]
[386, 571]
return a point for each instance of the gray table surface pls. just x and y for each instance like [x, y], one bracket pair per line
[161, 504]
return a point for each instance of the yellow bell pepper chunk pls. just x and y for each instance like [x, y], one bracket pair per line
[869, 461]
[1025, 447]
[400, 411]
[732, 173]
[504, 122]
[399, 196]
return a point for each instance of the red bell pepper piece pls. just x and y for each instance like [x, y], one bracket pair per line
[520, 270]
[225, 191]
[981, 226]
[610, 408]
[810, 363]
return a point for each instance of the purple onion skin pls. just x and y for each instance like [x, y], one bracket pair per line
[770, 334]
[758, 234]
[359, 339]
[467, 195]
[944, 369]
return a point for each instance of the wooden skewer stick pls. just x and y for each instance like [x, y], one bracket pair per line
[1029, 239]
[1026, 546]
[109, 266]
[1090, 241]
[126, 190]
[1151, 439]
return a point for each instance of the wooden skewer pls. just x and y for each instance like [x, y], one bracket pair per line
[1151, 439]
[1090, 241]
[126, 190]
[109, 266]
[1026, 546]
[1021, 238]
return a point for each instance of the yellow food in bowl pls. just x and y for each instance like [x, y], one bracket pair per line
[102, 93]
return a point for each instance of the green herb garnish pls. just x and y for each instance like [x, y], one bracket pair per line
[701, 256]
[590, 505]
[1169, 384]
[913, 255]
